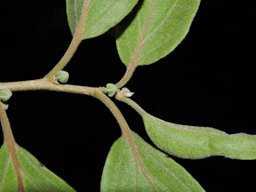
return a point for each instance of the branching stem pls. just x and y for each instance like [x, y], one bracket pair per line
[77, 39]
[131, 103]
[126, 131]
[127, 76]
[115, 111]
[49, 83]
[44, 84]
[11, 146]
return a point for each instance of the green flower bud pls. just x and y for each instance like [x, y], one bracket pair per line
[5, 95]
[62, 77]
[111, 89]
[127, 92]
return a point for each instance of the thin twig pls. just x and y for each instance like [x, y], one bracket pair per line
[126, 132]
[11, 146]
[77, 39]
[44, 84]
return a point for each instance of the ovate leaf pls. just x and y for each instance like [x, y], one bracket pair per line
[101, 16]
[194, 142]
[198, 142]
[158, 27]
[35, 177]
[121, 172]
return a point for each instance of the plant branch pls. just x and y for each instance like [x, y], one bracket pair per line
[77, 39]
[116, 112]
[44, 84]
[126, 131]
[11, 146]
[127, 76]
[130, 102]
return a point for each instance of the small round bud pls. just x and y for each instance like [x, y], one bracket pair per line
[127, 92]
[111, 89]
[62, 77]
[5, 95]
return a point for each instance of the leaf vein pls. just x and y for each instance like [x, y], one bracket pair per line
[101, 15]
[31, 180]
[5, 172]
[164, 167]
[43, 175]
[140, 44]
[155, 48]
[172, 9]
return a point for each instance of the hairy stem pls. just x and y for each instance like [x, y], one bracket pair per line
[44, 84]
[116, 112]
[127, 76]
[77, 39]
[11, 146]
[126, 131]
[131, 103]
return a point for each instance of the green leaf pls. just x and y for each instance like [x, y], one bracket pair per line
[194, 142]
[102, 15]
[157, 29]
[199, 142]
[123, 173]
[36, 178]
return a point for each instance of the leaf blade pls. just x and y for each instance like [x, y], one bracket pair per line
[122, 174]
[199, 142]
[102, 15]
[35, 176]
[157, 29]
[195, 142]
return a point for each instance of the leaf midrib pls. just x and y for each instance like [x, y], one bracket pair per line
[100, 15]
[169, 135]
[143, 37]
[172, 8]
[140, 43]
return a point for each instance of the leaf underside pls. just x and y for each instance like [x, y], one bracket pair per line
[158, 27]
[122, 173]
[102, 15]
[198, 142]
[36, 177]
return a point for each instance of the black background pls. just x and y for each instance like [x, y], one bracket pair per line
[208, 80]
